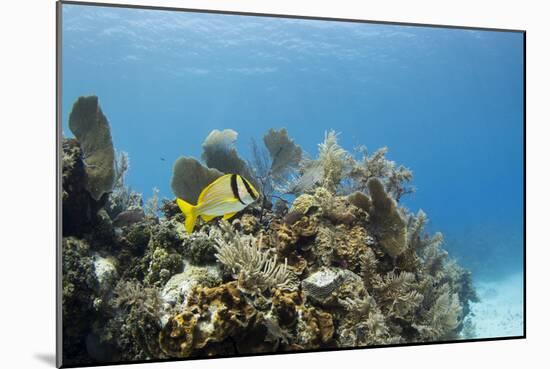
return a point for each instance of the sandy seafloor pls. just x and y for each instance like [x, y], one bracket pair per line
[500, 310]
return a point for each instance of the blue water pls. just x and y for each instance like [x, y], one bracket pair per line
[448, 103]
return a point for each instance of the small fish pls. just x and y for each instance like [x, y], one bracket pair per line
[225, 197]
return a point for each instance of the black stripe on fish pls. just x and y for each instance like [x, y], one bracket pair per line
[235, 189]
[250, 192]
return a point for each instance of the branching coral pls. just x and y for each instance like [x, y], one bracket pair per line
[334, 160]
[396, 179]
[255, 269]
[122, 197]
[310, 175]
[152, 205]
[91, 128]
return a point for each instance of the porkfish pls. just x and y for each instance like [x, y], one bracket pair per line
[225, 197]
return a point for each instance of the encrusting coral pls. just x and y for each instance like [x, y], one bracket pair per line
[341, 264]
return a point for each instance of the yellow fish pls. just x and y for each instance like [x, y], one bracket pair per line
[225, 196]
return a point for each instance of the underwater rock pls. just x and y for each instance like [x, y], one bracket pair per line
[285, 154]
[103, 230]
[91, 129]
[79, 285]
[135, 321]
[163, 265]
[105, 273]
[129, 217]
[211, 315]
[179, 285]
[200, 249]
[389, 225]
[190, 177]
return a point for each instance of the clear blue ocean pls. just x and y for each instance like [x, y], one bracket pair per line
[448, 103]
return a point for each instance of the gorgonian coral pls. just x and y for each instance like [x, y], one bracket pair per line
[255, 269]
[91, 128]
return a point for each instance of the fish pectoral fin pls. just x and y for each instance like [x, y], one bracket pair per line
[229, 215]
[207, 218]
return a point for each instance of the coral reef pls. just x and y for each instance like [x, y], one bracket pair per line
[340, 264]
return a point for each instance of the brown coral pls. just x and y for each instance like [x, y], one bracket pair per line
[352, 244]
[249, 223]
[389, 225]
[91, 128]
[211, 315]
[315, 328]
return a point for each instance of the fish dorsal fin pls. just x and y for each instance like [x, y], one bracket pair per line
[229, 215]
[225, 177]
[207, 218]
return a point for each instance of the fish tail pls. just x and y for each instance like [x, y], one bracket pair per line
[190, 214]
